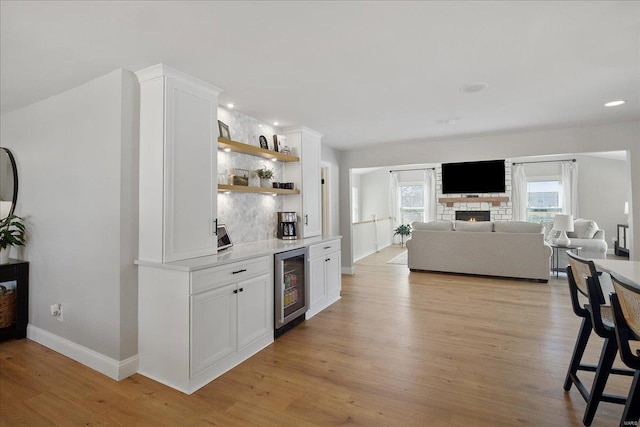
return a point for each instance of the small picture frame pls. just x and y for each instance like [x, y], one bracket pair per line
[240, 177]
[263, 142]
[275, 143]
[224, 130]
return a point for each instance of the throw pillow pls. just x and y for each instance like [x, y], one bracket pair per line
[516, 227]
[432, 226]
[483, 226]
[583, 229]
[549, 232]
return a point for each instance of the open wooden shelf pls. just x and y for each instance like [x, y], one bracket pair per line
[264, 190]
[495, 201]
[239, 147]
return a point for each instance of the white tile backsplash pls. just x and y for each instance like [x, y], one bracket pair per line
[249, 217]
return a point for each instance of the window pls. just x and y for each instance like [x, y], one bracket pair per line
[544, 199]
[411, 202]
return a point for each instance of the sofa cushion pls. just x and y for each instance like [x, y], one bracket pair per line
[517, 227]
[483, 226]
[432, 226]
[583, 229]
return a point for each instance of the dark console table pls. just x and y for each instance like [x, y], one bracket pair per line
[19, 271]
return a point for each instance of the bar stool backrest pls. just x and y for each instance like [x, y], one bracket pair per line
[584, 270]
[629, 299]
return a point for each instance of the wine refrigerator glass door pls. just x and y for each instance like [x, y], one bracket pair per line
[291, 292]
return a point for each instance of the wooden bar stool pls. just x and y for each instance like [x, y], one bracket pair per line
[625, 303]
[583, 279]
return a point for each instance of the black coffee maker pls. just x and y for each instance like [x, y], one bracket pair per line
[287, 225]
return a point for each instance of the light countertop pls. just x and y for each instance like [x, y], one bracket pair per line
[239, 252]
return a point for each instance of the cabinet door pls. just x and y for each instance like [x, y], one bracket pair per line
[255, 309]
[213, 327]
[317, 282]
[333, 275]
[190, 179]
[311, 182]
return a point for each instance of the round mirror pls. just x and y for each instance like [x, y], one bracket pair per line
[8, 184]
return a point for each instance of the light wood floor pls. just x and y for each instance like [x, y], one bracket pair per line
[399, 349]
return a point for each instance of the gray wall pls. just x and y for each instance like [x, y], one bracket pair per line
[77, 157]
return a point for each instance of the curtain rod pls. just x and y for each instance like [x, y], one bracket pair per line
[544, 161]
[403, 170]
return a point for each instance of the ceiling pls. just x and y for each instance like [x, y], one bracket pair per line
[361, 73]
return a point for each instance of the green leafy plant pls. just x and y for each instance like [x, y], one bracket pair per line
[12, 232]
[264, 173]
[402, 230]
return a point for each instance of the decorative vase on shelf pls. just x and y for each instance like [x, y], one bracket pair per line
[265, 183]
[4, 255]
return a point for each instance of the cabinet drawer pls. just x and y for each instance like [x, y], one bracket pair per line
[324, 248]
[209, 278]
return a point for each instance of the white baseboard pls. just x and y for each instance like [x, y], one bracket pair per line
[112, 368]
[348, 270]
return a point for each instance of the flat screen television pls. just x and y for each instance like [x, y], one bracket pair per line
[473, 177]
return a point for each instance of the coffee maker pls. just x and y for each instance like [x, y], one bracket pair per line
[287, 225]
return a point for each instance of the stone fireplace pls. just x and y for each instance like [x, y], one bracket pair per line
[473, 216]
[500, 211]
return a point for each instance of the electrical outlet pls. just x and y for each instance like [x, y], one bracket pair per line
[56, 311]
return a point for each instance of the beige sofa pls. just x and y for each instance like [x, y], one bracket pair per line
[502, 248]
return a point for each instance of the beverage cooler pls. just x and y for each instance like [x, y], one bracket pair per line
[291, 289]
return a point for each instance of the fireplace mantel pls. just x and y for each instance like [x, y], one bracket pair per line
[494, 200]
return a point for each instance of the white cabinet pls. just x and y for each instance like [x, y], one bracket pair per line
[214, 327]
[306, 175]
[228, 319]
[178, 161]
[324, 275]
[195, 325]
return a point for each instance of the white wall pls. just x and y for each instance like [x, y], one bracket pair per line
[374, 194]
[77, 157]
[586, 139]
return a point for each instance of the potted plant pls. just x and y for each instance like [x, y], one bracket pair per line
[265, 175]
[11, 234]
[402, 230]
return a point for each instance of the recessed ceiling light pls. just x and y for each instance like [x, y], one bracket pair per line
[275, 123]
[230, 105]
[274, 159]
[227, 150]
[448, 122]
[614, 103]
[474, 87]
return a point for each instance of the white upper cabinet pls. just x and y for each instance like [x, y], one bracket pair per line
[306, 175]
[178, 161]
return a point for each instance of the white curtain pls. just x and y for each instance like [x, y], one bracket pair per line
[570, 188]
[430, 195]
[394, 202]
[519, 192]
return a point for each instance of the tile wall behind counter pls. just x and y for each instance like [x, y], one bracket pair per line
[249, 217]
